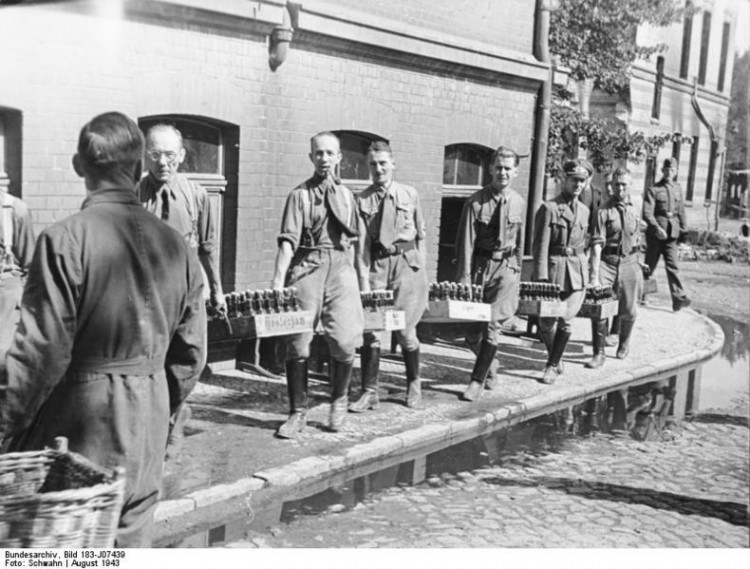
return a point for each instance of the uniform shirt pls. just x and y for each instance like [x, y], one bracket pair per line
[608, 228]
[22, 248]
[189, 209]
[559, 226]
[664, 207]
[319, 213]
[480, 227]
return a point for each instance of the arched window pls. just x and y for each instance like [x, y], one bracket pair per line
[466, 167]
[353, 169]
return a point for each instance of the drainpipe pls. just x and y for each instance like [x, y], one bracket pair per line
[541, 127]
[714, 154]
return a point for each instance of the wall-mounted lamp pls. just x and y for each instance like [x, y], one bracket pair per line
[278, 46]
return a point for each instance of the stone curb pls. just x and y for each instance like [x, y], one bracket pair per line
[358, 455]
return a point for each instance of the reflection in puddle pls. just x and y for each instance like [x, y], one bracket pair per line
[726, 378]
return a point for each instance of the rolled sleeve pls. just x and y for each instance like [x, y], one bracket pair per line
[292, 220]
[418, 217]
[598, 236]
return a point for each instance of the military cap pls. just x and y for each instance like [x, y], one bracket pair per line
[581, 169]
[670, 163]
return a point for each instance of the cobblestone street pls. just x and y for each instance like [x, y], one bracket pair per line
[688, 489]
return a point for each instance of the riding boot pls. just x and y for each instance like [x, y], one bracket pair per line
[598, 338]
[554, 367]
[626, 329]
[370, 371]
[547, 335]
[341, 375]
[492, 379]
[296, 383]
[614, 332]
[485, 357]
[413, 381]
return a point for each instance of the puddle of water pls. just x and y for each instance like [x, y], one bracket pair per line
[641, 413]
[726, 378]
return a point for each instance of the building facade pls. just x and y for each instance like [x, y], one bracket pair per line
[444, 90]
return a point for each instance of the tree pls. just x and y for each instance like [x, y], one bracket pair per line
[738, 119]
[596, 39]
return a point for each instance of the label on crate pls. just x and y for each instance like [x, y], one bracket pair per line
[542, 308]
[282, 323]
[459, 310]
[385, 320]
[599, 311]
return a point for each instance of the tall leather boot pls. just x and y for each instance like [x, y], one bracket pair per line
[413, 381]
[548, 339]
[485, 358]
[598, 338]
[492, 379]
[614, 332]
[341, 375]
[553, 369]
[296, 383]
[370, 370]
[626, 329]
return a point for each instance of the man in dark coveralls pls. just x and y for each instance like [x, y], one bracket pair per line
[391, 256]
[16, 249]
[489, 253]
[316, 255]
[112, 333]
[664, 213]
[614, 262]
[560, 232]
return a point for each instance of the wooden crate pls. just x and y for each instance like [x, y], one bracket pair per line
[385, 320]
[456, 311]
[542, 308]
[599, 311]
[261, 326]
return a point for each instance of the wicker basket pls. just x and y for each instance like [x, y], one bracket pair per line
[58, 499]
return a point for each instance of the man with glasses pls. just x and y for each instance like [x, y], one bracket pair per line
[184, 206]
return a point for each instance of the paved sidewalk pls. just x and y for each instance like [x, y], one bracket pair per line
[231, 453]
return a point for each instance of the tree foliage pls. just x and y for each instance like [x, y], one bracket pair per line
[738, 120]
[596, 39]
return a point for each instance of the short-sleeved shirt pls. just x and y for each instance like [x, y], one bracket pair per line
[480, 226]
[616, 227]
[22, 235]
[189, 209]
[308, 219]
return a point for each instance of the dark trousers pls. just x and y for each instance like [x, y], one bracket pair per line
[656, 248]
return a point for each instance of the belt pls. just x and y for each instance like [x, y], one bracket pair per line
[377, 251]
[616, 251]
[129, 366]
[566, 251]
[494, 254]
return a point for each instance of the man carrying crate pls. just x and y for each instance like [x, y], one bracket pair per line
[488, 245]
[614, 262]
[391, 256]
[316, 256]
[112, 336]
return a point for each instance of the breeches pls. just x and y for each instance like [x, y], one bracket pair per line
[626, 279]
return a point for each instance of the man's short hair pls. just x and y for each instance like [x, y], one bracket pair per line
[165, 126]
[324, 134]
[671, 163]
[620, 172]
[380, 146]
[505, 152]
[110, 142]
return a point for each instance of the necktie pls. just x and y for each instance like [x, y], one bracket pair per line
[501, 222]
[164, 203]
[387, 222]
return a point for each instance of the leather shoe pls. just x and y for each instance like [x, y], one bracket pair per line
[493, 382]
[622, 352]
[680, 304]
[293, 425]
[550, 375]
[596, 362]
[612, 340]
[368, 400]
[414, 394]
[473, 392]
[338, 413]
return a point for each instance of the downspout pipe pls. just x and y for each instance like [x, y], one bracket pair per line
[714, 154]
[543, 112]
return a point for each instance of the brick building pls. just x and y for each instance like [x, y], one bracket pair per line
[670, 92]
[444, 90]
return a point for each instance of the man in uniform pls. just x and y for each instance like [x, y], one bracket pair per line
[489, 254]
[16, 250]
[664, 213]
[316, 255]
[560, 232]
[112, 333]
[183, 205]
[391, 257]
[614, 262]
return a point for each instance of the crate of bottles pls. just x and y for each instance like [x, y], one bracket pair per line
[649, 286]
[380, 312]
[454, 302]
[259, 314]
[541, 299]
[599, 303]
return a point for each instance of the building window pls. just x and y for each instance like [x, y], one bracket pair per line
[705, 39]
[658, 84]
[692, 169]
[10, 151]
[650, 171]
[204, 147]
[466, 166]
[677, 150]
[724, 52]
[687, 35]
[353, 168]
